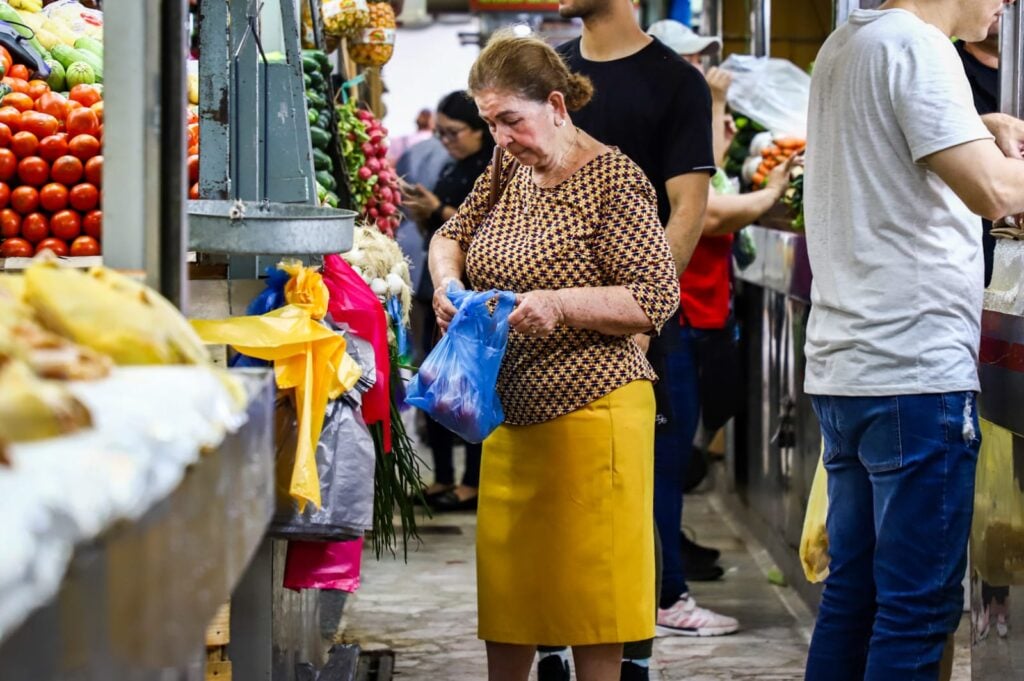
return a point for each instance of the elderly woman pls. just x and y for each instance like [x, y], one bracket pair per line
[565, 546]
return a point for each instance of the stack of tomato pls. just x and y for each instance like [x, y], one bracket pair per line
[51, 169]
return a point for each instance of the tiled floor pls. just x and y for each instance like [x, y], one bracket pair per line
[426, 610]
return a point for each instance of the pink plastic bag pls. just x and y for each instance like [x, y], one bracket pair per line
[353, 303]
[323, 565]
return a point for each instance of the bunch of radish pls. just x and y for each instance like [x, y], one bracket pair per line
[375, 189]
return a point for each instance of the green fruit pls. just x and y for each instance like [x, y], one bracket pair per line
[322, 161]
[320, 137]
[87, 44]
[79, 73]
[310, 65]
[56, 80]
[326, 179]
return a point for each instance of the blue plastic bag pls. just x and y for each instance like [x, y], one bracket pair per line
[456, 383]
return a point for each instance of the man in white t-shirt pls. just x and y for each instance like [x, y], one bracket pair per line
[899, 169]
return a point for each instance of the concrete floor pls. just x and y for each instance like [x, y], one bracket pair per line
[425, 610]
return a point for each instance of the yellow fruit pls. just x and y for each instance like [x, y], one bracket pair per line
[374, 45]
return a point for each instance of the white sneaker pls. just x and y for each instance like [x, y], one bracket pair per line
[686, 619]
[1002, 626]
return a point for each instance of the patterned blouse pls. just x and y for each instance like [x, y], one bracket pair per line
[597, 228]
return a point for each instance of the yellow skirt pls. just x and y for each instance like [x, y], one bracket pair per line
[565, 531]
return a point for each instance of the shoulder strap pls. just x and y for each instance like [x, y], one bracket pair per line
[499, 179]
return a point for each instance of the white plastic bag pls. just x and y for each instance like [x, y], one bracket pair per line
[773, 92]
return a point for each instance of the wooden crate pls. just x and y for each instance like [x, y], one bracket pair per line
[218, 633]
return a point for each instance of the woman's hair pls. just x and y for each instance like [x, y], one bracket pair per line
[529, 68]
[458, 106]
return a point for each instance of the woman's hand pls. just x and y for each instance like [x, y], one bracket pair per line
[537, 313]
[420, 203]
[443, 308]
[719, 81]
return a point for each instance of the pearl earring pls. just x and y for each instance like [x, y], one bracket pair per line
[561, 123]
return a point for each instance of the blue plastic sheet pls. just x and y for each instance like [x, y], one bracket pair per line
[269, 299]
[456, 383]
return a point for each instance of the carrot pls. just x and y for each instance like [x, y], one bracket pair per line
[758, 179]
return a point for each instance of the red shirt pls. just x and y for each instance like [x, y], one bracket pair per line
[704, 288]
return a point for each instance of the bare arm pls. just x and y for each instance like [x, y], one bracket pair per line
[989, 183]
[728, 213]
[718, 82]
[447, 264]
[688, 195]
[611, 310]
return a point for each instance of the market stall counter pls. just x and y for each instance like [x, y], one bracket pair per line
[122, 540]
[776, 439]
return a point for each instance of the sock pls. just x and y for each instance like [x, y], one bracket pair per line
[645, 662]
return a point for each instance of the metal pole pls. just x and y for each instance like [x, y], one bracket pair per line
[711, 24]
[171, 164]
[1011, 60]
[760, 27]
[144, 229]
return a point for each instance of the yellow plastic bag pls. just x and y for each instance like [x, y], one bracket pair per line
[814, 539]
[997, 531]
[308, 358]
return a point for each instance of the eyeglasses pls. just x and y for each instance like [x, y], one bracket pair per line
[450, 134]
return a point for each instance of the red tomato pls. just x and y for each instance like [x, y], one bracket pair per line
[6, 56]
[10, 223]
[5, 135]
[85, 245]
[58, 246]
[92, 224]
[67, 170]
[53, 197]
[98, 110]
[33, 171]
[16, 248]
[24, 144]
[10, 117]
[193, 191]
[35, 228]
[84, 147]
[19, 71]
[82, 122]
[8, 165]
[86, 95]
[25, 200]
[94, 170]
[39, 124]
[67, 224]
[84, 197]
[53, 147]
[19, 101]
[193, 134]
[193, 168]
[37, 88]
[71, 105]
[53, 104]
[193, 150]
[5, 194]
[16, 84]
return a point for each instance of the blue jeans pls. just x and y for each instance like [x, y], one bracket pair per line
[901, 495]
[673, 445]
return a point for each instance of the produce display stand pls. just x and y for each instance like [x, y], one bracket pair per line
[135, 602]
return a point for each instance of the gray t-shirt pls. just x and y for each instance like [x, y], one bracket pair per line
[896, 255]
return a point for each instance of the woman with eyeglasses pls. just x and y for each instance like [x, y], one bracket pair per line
[470, 145]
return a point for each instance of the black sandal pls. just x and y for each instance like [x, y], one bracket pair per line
[449, 501]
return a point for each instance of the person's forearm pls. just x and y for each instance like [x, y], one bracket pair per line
[447, 261]
[611, 310]
[728, 213]
[721, 147]
[683, 231]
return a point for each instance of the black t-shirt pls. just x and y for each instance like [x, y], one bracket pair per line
[984, 82]
[656, 108]
[653, 106]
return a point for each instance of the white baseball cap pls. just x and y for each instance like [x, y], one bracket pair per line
[681, 39]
